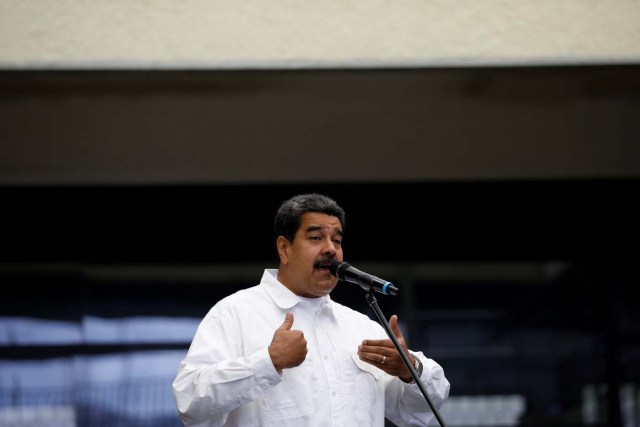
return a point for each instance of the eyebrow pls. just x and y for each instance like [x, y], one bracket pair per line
[320, 228]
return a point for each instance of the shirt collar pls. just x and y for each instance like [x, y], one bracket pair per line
[280, 294]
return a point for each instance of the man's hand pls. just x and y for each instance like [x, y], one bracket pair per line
[288, 347]
[384, 355]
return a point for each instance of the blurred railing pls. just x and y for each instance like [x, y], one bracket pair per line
[138, 403]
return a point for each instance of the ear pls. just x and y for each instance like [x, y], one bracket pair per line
[282, 244]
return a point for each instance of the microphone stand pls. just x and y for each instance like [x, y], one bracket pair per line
[373, 302]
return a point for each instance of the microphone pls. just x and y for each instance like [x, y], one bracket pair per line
[346, 272]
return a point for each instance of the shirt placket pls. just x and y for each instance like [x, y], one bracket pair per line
[325, 325]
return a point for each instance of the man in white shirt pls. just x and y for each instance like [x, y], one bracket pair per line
[283, 353]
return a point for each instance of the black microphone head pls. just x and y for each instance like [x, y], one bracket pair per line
[344, 271]
[335, 265]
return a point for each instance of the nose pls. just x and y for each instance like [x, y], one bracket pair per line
[329, 247]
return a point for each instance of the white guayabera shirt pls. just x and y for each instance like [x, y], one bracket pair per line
[228, 379]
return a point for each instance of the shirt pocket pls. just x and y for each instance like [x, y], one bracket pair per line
[363, 387]
[296, 414]
[290, 400]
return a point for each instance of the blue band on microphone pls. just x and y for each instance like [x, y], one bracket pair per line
[384, 287]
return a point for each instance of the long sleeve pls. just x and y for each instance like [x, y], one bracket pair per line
[406, 406]
[215, 377]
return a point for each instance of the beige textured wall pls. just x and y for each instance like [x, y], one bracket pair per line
[212, 34]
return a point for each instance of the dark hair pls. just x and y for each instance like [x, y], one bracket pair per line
[287, 219]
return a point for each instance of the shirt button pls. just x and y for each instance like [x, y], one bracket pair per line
[326, 357]
[333, 393]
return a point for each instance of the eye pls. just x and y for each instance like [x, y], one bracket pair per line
[338, 242]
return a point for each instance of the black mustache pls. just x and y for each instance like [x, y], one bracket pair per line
[325, 262]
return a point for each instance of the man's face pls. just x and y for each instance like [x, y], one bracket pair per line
[304, 263]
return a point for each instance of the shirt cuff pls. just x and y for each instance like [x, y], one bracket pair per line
[263, 369]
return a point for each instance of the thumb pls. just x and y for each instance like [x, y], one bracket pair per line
[288, 322]
[393, 323]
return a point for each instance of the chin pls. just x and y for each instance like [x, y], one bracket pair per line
[325, 289]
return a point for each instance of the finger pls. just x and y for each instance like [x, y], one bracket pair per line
[288, 322]
[377, 343]
[393, 323]
[374, 358]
